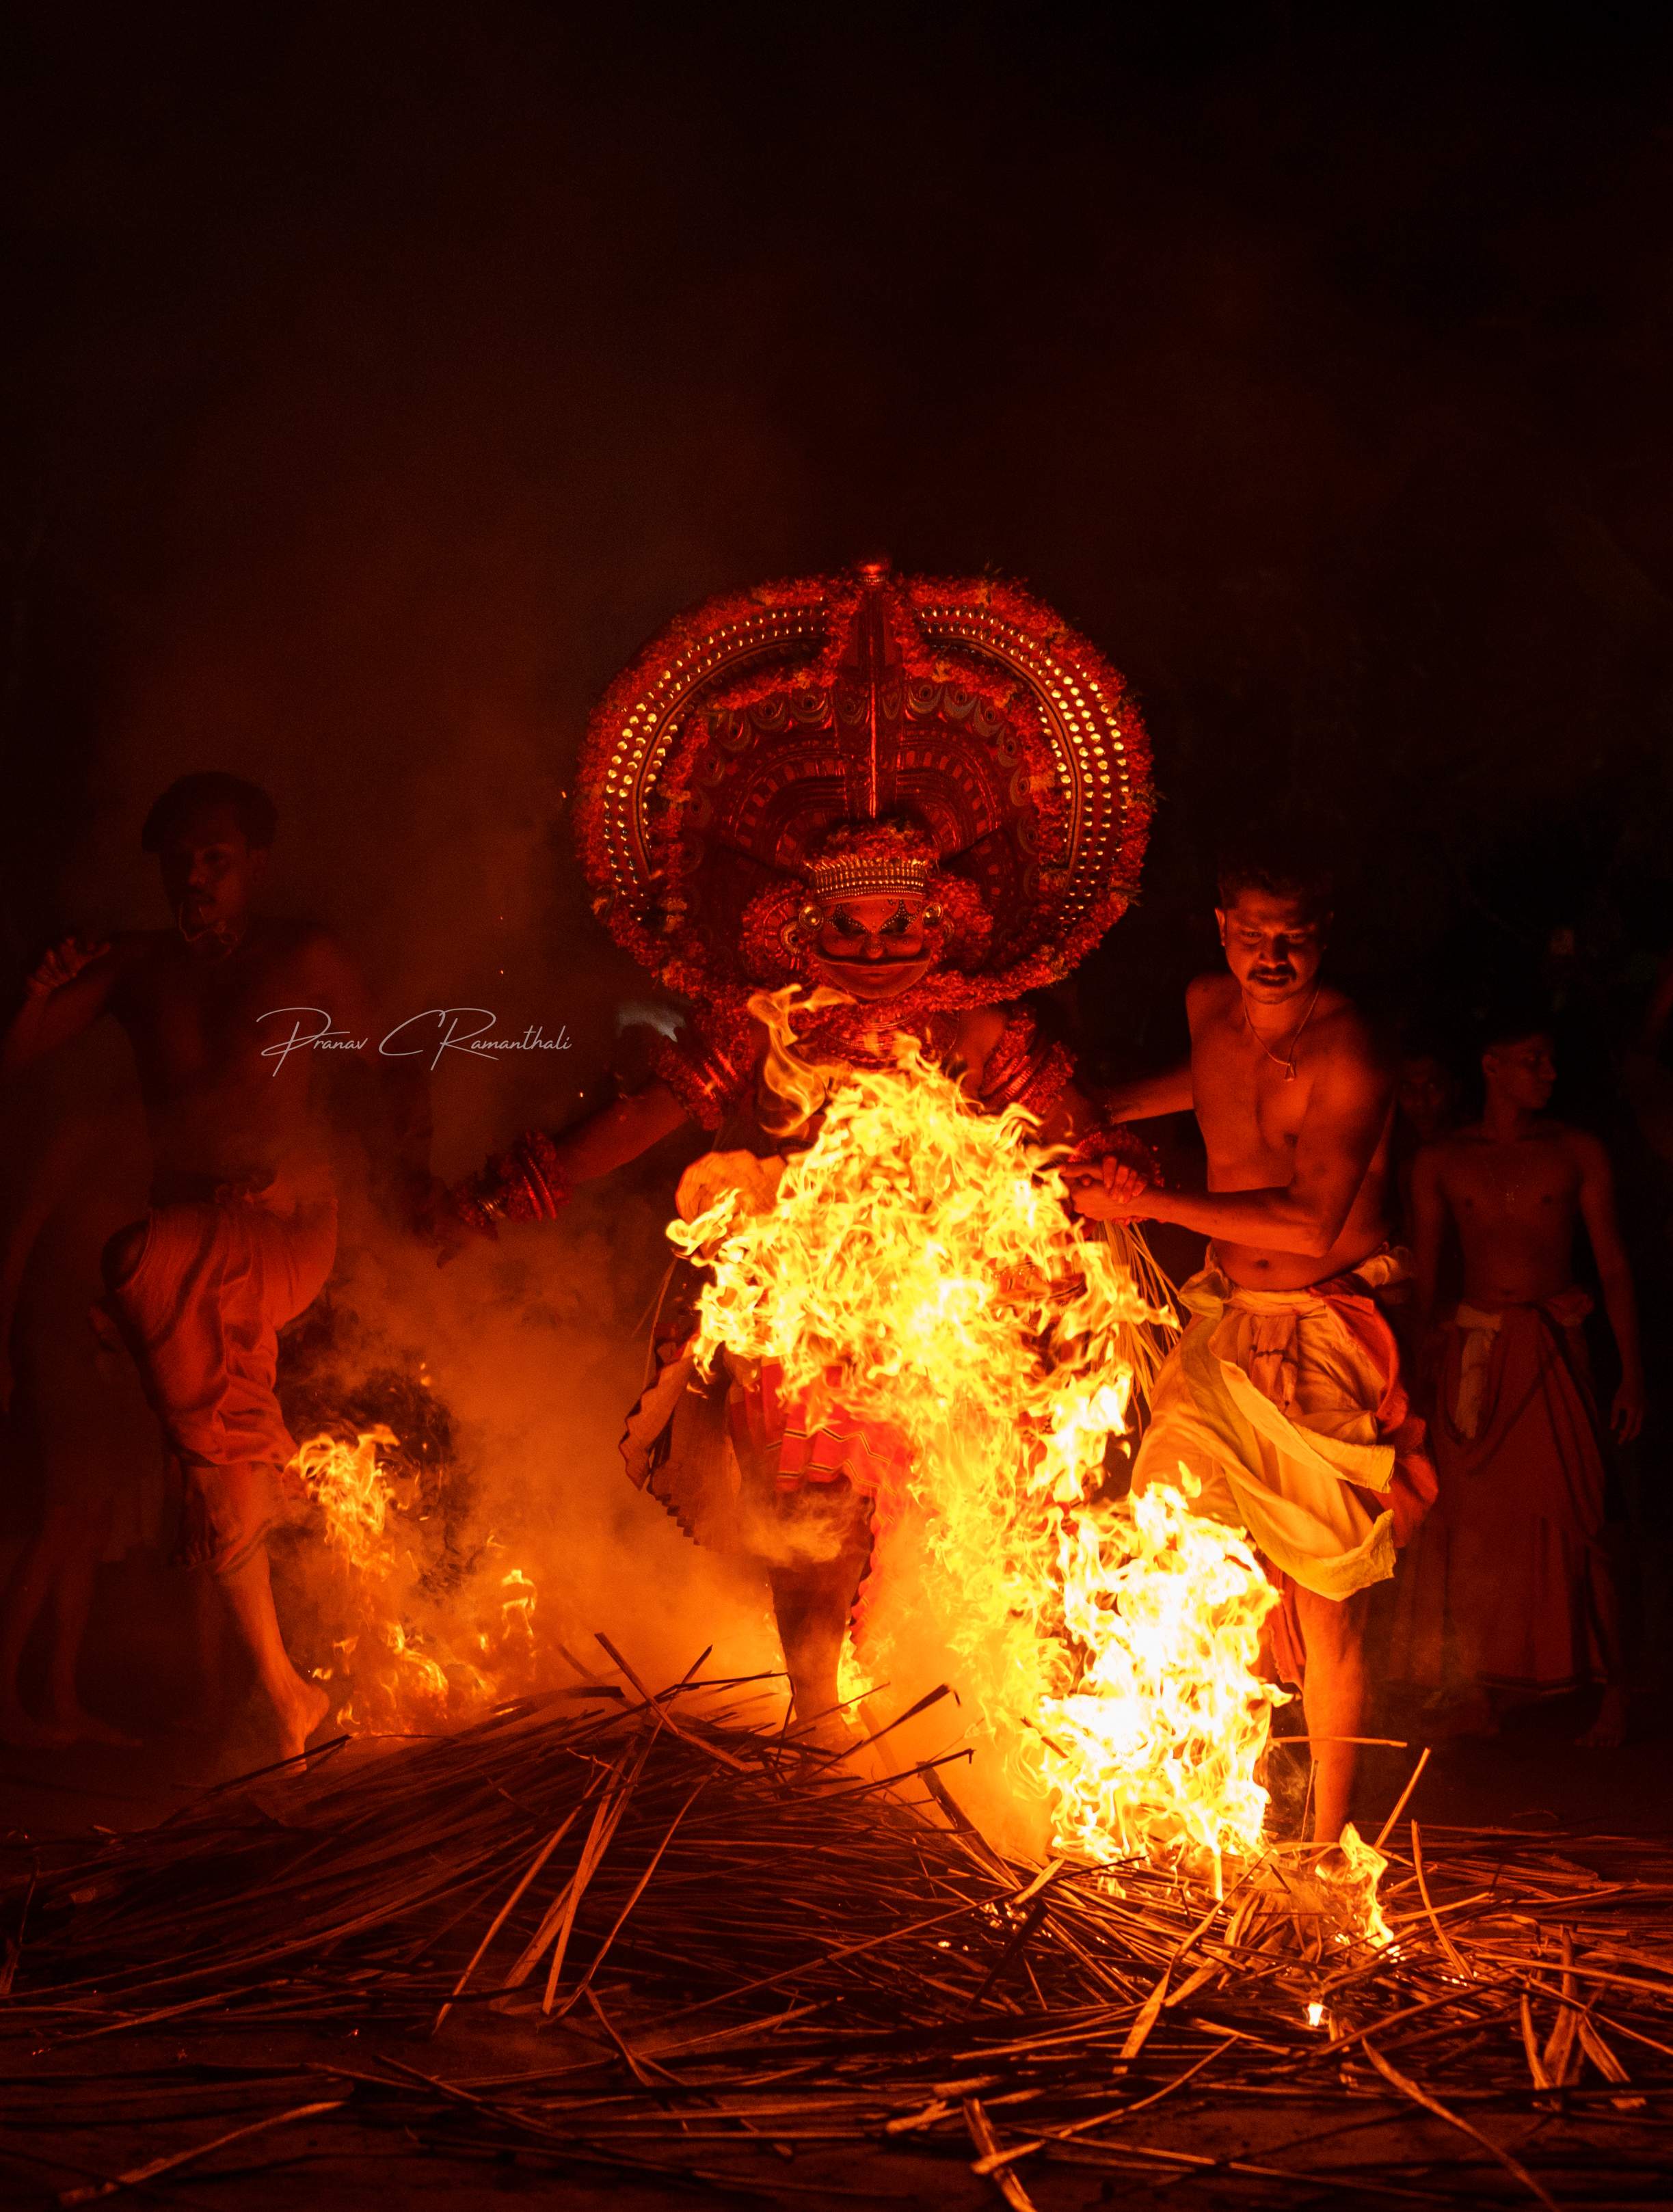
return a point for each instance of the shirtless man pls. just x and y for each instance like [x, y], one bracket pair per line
[242, 1231]
[1282, 1400]
[1512, 1574]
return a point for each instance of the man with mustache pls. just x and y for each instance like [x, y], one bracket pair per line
[241, 1231]
[1283, 1399]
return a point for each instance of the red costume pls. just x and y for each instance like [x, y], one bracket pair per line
[769, 755]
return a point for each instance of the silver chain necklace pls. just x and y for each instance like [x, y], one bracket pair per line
[1287, 1063]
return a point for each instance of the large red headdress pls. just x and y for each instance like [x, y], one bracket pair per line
[723, 763]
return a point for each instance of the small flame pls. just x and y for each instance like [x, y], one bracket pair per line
[404, 1662]
[1315, 2012]
[1348, 1875]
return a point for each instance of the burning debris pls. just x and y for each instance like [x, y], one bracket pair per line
[421, 1615]
[748, 1952]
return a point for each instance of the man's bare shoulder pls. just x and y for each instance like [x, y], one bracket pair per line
[1589, 1154]
[1210, 997]
[1347, 1034]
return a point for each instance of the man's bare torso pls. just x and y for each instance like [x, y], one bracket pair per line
[1515, 1205]
[1250, 1114]
[219, 1110]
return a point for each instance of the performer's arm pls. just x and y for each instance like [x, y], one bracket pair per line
[1428, 1233]
[1615, 1276]
[530, 1180]
[618, 1133]
[1072, 1117]
[1346, 1115]
[1151, 1096]
[66, 995]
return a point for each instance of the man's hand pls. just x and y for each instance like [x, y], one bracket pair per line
[1113, 1191]
[1627, 1414]
[64, 964]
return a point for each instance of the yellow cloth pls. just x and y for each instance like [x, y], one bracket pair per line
[1475, 1358]
[1271, 1402]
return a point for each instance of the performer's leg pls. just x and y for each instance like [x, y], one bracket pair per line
[242, 1527]
[819, 1563]
[812, 1605]
[1334, 1700]
[298, 1707]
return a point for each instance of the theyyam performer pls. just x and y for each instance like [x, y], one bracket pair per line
[1284, 1398]
[915, 799]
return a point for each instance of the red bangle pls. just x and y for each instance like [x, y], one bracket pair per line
[525, 1183]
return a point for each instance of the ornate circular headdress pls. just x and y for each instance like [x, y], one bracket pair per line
[728, 761]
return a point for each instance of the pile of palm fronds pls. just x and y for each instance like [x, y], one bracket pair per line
[734, 1946]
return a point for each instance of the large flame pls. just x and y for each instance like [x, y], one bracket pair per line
[919, 1265]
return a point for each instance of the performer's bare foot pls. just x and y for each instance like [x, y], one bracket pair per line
[298, 1718]
[21, 1731]
[80, 1726]
[1609, 1731]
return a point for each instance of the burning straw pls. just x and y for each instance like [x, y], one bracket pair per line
[743, 1949]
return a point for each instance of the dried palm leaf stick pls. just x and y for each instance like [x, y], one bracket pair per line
[1579, 1970]
[505, 1913]
[606, 1812]
[1541, 2080]
[163, 2012]
[1608, 2065]
[610, 2028]
[986, 2143]
[136, 2177]
[1560, 2051]
[1445, 1941]
[664, 1718]
[638, 1891]
[1511, 2165]
[598, 1843]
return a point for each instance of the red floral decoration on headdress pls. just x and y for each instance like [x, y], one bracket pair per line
[765, 725]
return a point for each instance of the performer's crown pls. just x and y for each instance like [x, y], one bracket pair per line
[868, 875]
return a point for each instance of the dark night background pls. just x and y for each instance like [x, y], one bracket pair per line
[376, 380]
[379, 379]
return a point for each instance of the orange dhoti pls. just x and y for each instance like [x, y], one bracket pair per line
[1510, 1582]
[200, 1308]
